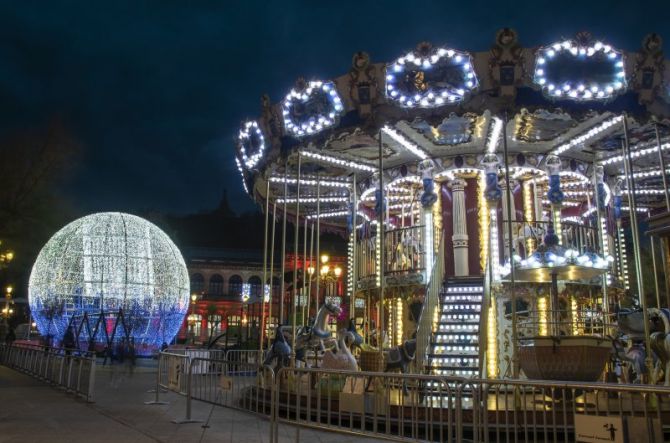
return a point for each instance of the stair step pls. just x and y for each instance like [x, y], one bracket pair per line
[450, 299]
[455, 343]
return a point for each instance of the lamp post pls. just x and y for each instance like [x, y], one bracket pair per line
[7, 311]
[6, 257]
[329, 276]
[192, 318]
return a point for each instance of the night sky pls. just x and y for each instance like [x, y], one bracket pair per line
[155, 91]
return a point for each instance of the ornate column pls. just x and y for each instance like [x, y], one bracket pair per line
[506, 239]
[428, 199]
[460, 237]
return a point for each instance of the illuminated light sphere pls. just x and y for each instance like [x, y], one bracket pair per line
[105, 264]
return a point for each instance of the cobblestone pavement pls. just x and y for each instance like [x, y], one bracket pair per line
[32, 411]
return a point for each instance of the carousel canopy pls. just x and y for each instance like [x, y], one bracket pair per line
[577, 98]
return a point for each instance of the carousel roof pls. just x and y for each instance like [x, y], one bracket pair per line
[567, 98]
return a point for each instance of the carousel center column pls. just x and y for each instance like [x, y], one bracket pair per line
[460, 237]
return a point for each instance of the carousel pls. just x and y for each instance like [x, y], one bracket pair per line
[494, 206]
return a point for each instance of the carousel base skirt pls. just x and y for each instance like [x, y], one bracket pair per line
[580, 358]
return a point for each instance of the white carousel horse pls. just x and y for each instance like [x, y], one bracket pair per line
[632, 359]
[527, 231]
[405, 252]
[342, 358]
[317, 335]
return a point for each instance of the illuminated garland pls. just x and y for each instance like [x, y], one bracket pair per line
[251, 134]
[312, 181]
[312, 99]
[591, 133]
[437, 218]
[636, 151]
[528, 213]
[483, 220]
[239, 168]
[579, 89]
[494, 135]
[492, 341]
[405, 143]
[410, 79]
[348, 164]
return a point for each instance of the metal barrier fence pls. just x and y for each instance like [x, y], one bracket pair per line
[233, 384]
[59, 367]
[400, 407]
[526, 410]
[413, 407]
[244, 356]
[172, 375]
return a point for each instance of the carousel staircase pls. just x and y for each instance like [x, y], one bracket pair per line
[454, 348]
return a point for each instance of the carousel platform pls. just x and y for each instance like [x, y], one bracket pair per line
[500, 415]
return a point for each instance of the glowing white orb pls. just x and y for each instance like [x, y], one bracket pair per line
[110, 276]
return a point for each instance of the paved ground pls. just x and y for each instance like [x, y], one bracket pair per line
[31, 411]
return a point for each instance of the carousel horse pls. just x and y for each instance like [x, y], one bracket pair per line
[279, 351]
[342, 358]
[317, 335]
[630, 322]
[407, 250]
[527, 231]
[399, 358]
[660, 344]
[633, 357]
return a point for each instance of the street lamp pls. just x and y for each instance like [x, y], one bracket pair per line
[5, 257]
[7, 311]
[192, 318]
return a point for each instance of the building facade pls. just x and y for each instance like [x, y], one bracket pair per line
[227, 293]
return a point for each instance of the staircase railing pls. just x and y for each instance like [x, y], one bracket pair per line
[484, 319]
[431, 303]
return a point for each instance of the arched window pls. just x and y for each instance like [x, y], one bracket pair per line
[216, 284]
[256, 286]
[197, 283]
[235, 285]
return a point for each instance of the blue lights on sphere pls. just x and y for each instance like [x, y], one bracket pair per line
[105, 264]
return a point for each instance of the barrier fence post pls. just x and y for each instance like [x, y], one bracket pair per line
[156, 401]
[189, 396]
[274, 397]
[91, 382]
[263, 371]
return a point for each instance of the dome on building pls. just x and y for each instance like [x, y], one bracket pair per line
[111, 276]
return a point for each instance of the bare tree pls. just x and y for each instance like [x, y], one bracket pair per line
[31, 164]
